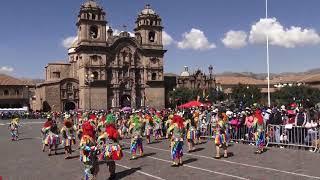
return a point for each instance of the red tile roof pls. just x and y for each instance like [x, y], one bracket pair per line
[6, 80]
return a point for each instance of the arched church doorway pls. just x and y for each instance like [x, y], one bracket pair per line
[125, 101]
[69, 106]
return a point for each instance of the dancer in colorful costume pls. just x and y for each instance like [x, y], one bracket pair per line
[123, 130]
[197, 123]
[259, 127]
[135, 130]
[149, 124]
[13, 127]
[176, 130]
[221, 136]
[68, 133]
[191, 134]
[108, 146]
[88, 151]
[157, 126]
[51, 133]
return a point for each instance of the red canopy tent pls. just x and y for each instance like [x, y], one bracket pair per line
[191, 104]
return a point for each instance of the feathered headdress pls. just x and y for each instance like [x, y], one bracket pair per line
[178, 120]
[48, 123]
[88, 129]
[111, 119]
[112, 131]
[136, 120]
[157, 118]
[259, 117]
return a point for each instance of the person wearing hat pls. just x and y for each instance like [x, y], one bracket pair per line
[68, 133]
[259, 127]
[157, 126]
[108, 146]
[135, 129]
[176, 130]
[220, 139]
[191, 133]
[148, 127]
[51, 132]
[88, 151]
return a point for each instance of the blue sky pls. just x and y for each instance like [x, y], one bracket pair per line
[32, 32]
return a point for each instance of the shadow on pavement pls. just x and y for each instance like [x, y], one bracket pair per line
[155, 142]
[22, 139]
[128, 172]
[74, 157]
[230, 154]
[190, 160]
[196, 150]
[148, 154]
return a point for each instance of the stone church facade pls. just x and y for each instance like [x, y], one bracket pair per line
[106, 70]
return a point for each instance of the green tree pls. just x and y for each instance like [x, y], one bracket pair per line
[246, 95]
[183, 95]
[214, 95]
[303, 95]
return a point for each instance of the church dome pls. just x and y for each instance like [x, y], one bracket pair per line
[185, 73]
[148, 11]
[91, 4]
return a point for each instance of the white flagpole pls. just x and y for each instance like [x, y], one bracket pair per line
[268, 61]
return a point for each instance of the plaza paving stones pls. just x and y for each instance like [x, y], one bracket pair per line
[24, 160]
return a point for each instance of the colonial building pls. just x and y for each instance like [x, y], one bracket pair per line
[107, 70]
[14, 93]
[196, 80]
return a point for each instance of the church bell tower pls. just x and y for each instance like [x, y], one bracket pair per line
[149, 28]
[91, 56]
[91, 24]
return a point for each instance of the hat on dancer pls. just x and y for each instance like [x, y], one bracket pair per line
[88, 130]
[110, 127]
[259, 116]
[178, 120]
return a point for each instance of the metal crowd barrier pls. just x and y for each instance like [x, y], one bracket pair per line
[280, 135]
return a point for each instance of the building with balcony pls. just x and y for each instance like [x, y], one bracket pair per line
[14, 93]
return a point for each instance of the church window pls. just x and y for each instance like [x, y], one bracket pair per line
[152, 35]
[69, 87]
[139, 38]
[6, 92]
[93, 32]
[17, 92]
[56, 75]
[154, 76]
[93, 16]
[95, 75]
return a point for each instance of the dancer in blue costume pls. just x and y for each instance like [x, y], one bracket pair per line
[259, 127]
[176, 130]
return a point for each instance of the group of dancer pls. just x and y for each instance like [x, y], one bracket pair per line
[99, 135]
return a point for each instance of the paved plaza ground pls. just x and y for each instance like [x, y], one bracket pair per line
[24, 160]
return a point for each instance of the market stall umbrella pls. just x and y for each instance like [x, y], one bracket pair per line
[126, 109]
[192, 104]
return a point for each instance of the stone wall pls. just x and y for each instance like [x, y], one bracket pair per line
[155, 97]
